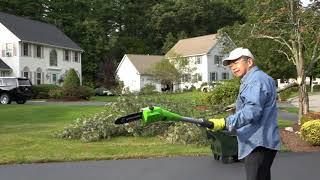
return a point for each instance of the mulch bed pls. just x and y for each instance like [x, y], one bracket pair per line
[294, 143]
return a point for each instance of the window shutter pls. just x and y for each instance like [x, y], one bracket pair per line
[42, 55]
[42, 78]
[14, 49]
[34, 77]
[34, 51]
[21, 49]
[3, 53]
[21, 73]
[29, 50]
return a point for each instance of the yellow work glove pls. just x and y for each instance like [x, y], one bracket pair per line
[218, 124]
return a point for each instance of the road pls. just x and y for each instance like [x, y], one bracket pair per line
[287, 166]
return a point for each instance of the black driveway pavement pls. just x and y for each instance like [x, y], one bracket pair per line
[287, 166]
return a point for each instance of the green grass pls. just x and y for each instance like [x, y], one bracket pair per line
[294, 110]
[285, 123]
[27, 135]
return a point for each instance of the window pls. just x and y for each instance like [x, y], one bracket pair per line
[9, 50]
[225, 75]
[198, 60]
[76, 57]
[213, 76]
[26, 74]
[217, 59]
[54, 78]
[39, 53]
[53, 58]
[186, 78]
[196, 77]
[66, 55]
[38, 76]
[26, 51]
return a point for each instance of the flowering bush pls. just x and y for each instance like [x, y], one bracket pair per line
[310, 132]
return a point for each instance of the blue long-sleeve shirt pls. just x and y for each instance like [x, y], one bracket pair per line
[255, 120]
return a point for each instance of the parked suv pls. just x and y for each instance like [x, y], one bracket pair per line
[14, 89]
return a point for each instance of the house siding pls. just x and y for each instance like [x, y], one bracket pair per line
[129, 75]
[18, 62]
[219, 68]
[147, 79]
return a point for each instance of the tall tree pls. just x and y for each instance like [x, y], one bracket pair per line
[297, 31]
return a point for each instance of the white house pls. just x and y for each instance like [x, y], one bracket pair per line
[36, 50]
[133, 71]
[205, 54]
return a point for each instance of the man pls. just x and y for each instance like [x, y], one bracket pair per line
[255, 119]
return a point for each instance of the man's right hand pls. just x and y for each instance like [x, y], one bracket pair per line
[218, 124]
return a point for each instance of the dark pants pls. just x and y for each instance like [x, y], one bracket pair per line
[258, 163]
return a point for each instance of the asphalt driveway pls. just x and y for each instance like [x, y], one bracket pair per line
[287, 166]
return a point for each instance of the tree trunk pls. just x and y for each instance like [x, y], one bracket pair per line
[303, 101]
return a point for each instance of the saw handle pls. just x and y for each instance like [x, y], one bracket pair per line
[199, 122]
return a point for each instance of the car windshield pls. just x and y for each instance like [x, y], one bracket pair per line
[24, 82]
[9, 82]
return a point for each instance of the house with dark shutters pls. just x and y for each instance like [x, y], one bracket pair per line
[36, 50]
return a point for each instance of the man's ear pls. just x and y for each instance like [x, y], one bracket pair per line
[250, 62]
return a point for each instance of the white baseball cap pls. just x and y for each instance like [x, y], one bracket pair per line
[236, 54]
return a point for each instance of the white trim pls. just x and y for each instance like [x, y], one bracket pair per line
[44, 44]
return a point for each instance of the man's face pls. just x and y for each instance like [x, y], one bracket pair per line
[240, 67]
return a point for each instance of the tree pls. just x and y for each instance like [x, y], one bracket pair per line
[297, 31]
[166, 73]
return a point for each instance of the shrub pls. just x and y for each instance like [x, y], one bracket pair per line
[148, 89]
[85, 92]
[42, 91]
[286, 94]
[224, 94]
[56, 93]
[310, 132]
[316, 88]
[71, 80]
[309, 117]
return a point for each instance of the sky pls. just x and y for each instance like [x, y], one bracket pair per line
[305, 2]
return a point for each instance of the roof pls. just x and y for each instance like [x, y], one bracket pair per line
[143, 63]
[195, 45]
[4, 66]
[36, 31]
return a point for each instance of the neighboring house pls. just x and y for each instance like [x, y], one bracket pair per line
[36, 50]
[134, 71]
[204, 54]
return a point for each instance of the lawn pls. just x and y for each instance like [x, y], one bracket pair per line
[27, 135]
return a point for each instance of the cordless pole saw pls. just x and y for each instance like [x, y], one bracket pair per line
[155, 114]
